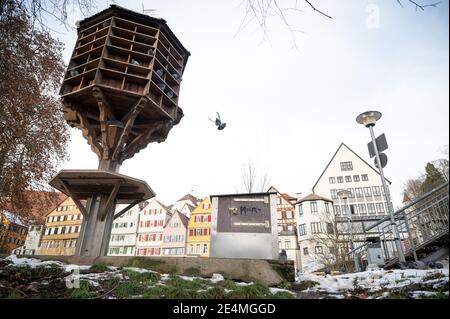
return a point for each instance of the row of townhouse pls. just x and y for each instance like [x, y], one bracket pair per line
[155, 229]
[311, 229]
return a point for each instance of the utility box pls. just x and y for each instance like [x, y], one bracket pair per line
[244, 226]
[374, 252]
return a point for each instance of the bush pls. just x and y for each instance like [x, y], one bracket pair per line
[98, 268]
[141, 277]
[303, 285]
[85, 291]
[227, 284]
[253, 291]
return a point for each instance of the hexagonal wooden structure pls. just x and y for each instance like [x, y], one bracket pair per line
[123, 81]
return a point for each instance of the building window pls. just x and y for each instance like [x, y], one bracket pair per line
[332, 180]
[367, 191]
[305, 251]
[356, 178]
[348, 179]
[327, 207]
[362, 209]
[316, 228]
[330, 229]
[334, 194]
[376, 191]
[353, 209]
[364, 177]
[340, 179]
[337, 210]
[359, 192]
[380, 208]
[197, 248]
[302, 229]
[344, 209]
[318, 250]
[346, 166]
[351, 193]
[205, 248]
[313, 207]
[331, 250]
[371, 208]
[287, 244]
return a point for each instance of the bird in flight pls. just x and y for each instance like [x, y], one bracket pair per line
[218, 122]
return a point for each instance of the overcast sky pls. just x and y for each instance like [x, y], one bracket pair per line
[288, 110]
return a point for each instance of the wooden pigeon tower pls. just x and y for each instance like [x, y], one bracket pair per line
[121, 90]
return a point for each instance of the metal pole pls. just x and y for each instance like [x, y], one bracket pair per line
[387, 196]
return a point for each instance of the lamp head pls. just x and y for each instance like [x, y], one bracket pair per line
[368, 118]
[343, 193]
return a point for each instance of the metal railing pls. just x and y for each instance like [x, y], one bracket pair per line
[421, 223]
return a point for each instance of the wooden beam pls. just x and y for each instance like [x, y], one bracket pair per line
[110, 201]
[89, 134]
[140, 141]
[135, 110]
[123, 211]
[102, 119]
[98, 93]
[75, 199]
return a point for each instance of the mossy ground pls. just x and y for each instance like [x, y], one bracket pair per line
[101, 281]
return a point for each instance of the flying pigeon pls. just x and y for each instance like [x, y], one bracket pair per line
[218, 122]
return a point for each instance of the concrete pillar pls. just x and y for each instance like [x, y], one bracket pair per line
[95, 233]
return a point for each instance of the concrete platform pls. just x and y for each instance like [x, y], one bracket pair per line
[268, 272]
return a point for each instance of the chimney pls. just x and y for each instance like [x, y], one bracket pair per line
[299, 196]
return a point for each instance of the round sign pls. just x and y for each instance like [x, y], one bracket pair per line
[383, 159]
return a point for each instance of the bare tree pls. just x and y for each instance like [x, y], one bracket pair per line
[260, 11]
[254, 182]
[443, 163]
[33, 133]
[41, 12]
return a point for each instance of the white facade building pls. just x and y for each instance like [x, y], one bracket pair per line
[316, 232]
[347, 170]
[32, 241]
[124, 232]
[152, 220]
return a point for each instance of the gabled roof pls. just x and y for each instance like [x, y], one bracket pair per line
[285, 196]
[332, 158]
[41, 203]
[183, 218]
[162, 205]
[313, 197]
[190, 197]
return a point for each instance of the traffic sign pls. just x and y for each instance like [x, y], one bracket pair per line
[381, 145]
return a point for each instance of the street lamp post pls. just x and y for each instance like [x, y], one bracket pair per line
[345, 194]
[368, 119]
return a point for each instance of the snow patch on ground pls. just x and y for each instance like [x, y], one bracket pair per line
[139, 270]
[32, 262]
[275, 290]
[373, 280]
[216, 278]
[244, 283]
